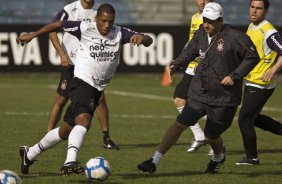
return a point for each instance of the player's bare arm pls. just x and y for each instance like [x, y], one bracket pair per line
[25, 38]
[57, 45]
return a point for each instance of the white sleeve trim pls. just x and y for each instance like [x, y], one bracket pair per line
[266, 48]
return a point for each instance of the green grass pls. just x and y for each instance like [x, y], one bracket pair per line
[137, 124]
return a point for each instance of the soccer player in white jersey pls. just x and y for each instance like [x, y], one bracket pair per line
[81, 10]
[96, 62]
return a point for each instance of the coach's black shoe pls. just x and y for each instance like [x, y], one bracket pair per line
[213, 166]
[25, 161]
[147, 166]
[109, 144]
[248, 161]
[71, 168]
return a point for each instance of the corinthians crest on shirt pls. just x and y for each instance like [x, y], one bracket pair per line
[220, 45]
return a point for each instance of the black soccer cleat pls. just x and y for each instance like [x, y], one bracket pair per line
[71, 168]
[147, 166]
[109, 144]
[248, 161]
[213, 166]
[25, 161]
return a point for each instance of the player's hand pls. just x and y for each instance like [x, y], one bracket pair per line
[268, 76]
[24, 39]
[227, 81]
[136, 39]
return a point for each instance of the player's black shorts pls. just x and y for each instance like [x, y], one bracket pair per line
[219, 118]
[181, 90]
[84, 99]
[66, 76]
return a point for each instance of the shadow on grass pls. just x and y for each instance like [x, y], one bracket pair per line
[70, 180]
[260, 151]
[146, 145]
[135, 176]
[37, 175]
[256, 174]
[90, 182]
[157, 175]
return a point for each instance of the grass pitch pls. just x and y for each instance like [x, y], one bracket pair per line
[140, 112]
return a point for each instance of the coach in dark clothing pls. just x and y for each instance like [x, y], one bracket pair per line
[226, 56]
[229, 53]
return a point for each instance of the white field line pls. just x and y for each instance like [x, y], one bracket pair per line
[126, 94]
[155, 97]
[124, 116]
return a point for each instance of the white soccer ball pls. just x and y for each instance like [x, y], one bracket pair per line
[97, 168]
[9, 177]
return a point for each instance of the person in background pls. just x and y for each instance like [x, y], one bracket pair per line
[259, 83]
[96, 62]
[81, 10]
[226, 56]
[181, 91]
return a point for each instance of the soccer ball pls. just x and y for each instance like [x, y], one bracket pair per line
[97, 168]
[9, 177]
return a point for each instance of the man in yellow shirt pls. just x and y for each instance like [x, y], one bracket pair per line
[259, 83]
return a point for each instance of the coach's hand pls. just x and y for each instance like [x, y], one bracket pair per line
[170, 69]
[227, 81]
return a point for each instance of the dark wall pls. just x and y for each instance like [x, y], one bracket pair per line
[40, 56]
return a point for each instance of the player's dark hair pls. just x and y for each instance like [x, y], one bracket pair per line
[265, 2]
[106, 7]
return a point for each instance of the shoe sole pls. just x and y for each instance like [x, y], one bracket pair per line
[145, 170]
[71, 172]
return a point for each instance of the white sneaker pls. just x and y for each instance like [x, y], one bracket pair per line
[195, 145]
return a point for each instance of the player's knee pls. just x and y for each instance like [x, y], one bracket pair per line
[84, 120]
[179, 126]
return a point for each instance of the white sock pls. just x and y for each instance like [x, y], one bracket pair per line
[50, 139]
[157, 157]
[198, 132]
[75, 140]
[217, 158]
[180, 109]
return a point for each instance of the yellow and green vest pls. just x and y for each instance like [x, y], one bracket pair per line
[196, 21]
[267, 55]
